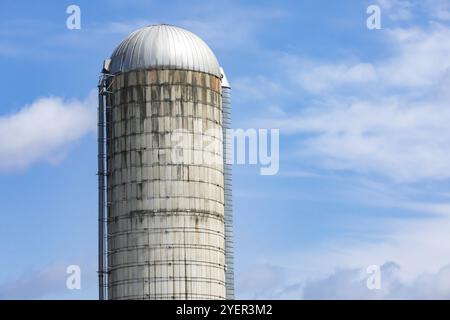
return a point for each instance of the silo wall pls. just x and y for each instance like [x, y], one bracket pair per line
[165, 214]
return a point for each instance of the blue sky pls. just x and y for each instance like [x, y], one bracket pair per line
[364, 142]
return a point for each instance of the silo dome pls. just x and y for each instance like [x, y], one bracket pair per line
[164, 47]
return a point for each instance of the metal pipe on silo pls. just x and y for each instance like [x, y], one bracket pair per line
[102, 174]
[101, 187]
[228, 186]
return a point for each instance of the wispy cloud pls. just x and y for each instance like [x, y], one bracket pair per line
[395, 121]
[440, 9]
[407, 10]
[384, 121]
[44, 130]
[236, 28]
[321, 77]
[397, 10]
[418, 59]
[49, 282]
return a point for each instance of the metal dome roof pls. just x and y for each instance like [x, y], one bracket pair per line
[164, 46]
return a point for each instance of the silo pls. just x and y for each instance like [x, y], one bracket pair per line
[163, 212]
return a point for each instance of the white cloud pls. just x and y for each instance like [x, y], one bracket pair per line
[418, 245]
[404, 140]
[352, 284]
[345, 283]
[418, 59]
[49, 282]
[44, 130]
[397, 10]
[391, 124]
[439, 9]
[336, 268]
[394, 121]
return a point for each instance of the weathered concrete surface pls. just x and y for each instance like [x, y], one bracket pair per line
[166, 218]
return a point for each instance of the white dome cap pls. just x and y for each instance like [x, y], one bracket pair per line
[164, 47]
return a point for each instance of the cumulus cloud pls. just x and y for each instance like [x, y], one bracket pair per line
[349, 283]
[352, 284]
[337, 268]
[44, 131]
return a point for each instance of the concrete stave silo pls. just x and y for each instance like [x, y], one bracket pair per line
[165, 217]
